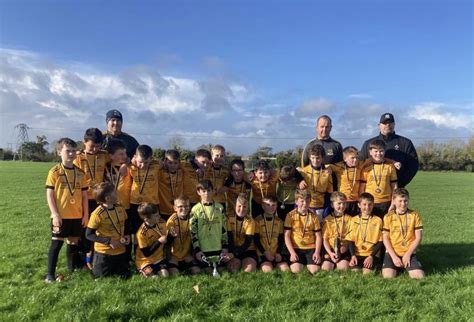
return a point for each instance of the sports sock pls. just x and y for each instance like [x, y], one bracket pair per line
[53, 254]
[73, 257]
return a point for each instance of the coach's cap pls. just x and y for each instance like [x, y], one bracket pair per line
[387, 118]
[113, 114]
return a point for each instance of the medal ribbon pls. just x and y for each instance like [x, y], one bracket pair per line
[261, 190]
[404, 231]
[313, 186]
[241, 227]
[171, 183]
[353, 178]
[375, 177]
[142, 184]
[111, 175]
[269, 238]
[71, 190]
[92, 174]
[339, 234]
[303, 232]
[364, 236]
[118, 230]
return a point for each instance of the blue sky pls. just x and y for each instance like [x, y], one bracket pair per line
[249, 70]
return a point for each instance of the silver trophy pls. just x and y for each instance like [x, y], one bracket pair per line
[213, 261]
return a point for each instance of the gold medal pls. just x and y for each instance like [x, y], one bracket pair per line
[378, 190]
[363, 247]
[72, 201]
[282, 206]
[123, 241]
[303, 242]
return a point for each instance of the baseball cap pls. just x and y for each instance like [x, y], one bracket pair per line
[113, 114]
[387, 118]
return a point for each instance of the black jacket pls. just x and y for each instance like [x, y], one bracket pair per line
[399, 149]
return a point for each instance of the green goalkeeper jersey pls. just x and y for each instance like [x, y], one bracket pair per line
[208, 227]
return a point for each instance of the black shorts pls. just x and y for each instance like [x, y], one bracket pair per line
[274, 263]
[134, 218]
[344, 256]
[305, 256]
[248, 253]
[381, 209]
[69, 228]
[388, 263]
[352, 208]
[361, 259]
[183, 265]
[156, 267]
[108, 265]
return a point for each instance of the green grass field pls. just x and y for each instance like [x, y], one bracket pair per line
[445, 201]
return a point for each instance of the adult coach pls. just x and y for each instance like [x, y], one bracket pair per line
[323, 137]
[399, 149]
[114, 121]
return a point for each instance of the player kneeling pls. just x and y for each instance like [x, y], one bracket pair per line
[335, 229]
[402, 233]
[179, 238]
[151, 238]
[241, 230]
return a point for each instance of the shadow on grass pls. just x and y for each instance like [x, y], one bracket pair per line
[441, 258]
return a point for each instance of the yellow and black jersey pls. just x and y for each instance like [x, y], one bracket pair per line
[68, 185]
[348, 179]
[191, 178]
[303, 228]
[122, 184]
[240, 229]
[147, 236]
[336, 227]
[262, 190]
[145, 183]
[170, 186]
[109, 223]
[365, 233]
[269, 230]
[181, 246]
[94, 167]
[234, 189]
[378, 178]
[319, 183]
[217, 176]
[401, 229]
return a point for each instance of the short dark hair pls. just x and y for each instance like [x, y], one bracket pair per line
[103, 190]
[93, 134]
[65, 141]
[172, 154]
[238, 162]
[113, 145]
[146, 210]
[377, 144]
[145, 151]
[287, 172]
[317, 149]
[324, 117]
[262, 165]
[204, 185]
[400, 192]
[366, 196]
[203, 153]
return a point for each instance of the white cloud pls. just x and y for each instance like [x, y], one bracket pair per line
[438, 113]
[58, 99]
[360, 96]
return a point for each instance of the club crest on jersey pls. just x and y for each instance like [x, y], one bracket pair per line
[329, 152]
[397, 147]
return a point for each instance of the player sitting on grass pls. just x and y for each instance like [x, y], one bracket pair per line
[269, 237]
[303, 235]
[241, 230]
[179, 239]
[108, 228]
[335, 229]
[365, 237]
[66, 193]
[402, 233]
[208, 226]
[151, 239]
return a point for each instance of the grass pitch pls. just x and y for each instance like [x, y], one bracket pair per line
[445, 201]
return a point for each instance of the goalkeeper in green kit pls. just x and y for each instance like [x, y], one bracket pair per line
[208, 227]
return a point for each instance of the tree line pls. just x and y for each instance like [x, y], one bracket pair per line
[455, 155]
